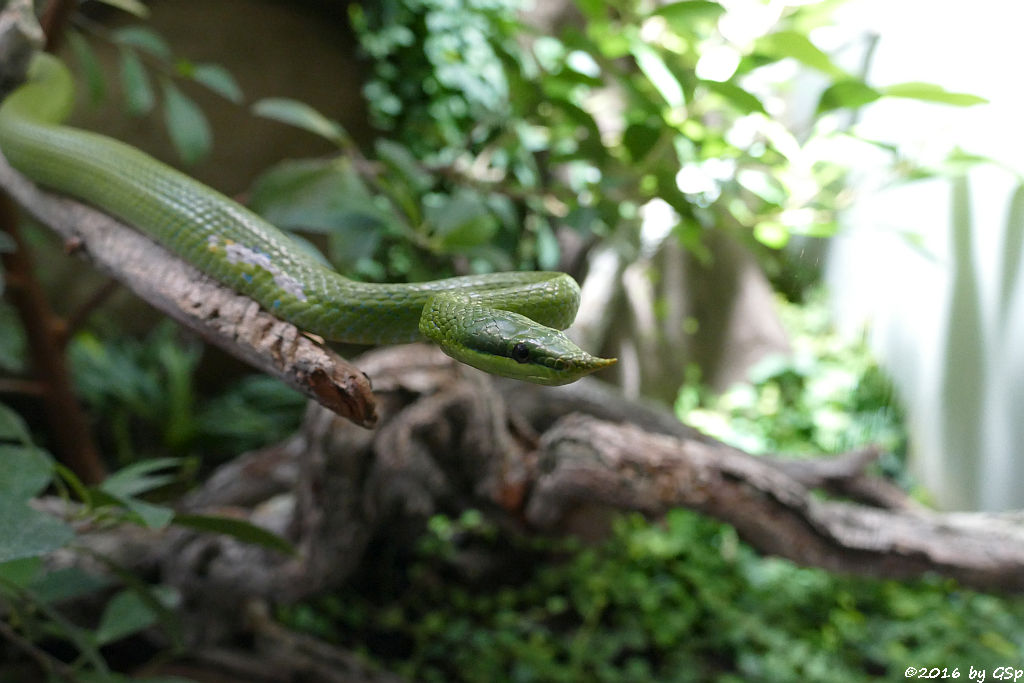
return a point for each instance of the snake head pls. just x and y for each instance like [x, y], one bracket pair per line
[505, 343]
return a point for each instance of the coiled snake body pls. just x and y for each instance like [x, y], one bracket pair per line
[503, 323]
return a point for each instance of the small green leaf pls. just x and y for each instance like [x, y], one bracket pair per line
[68, 583]
[783, 44]
[771, 234]
[20, 572]
[138, 477]
[126, 613]
[143, 38]
[131, 6]
[851, 93]
[683, 16]
[548, 249]
[237, 528]
[639, 139]
[187, 125]
[324, 196]
[745, 101]
[658, 73]
[930, 92]
[301, 115]
[29, 533]
[463, 221]
[219, 80]
[71, 479]
[24, 471]
[152, 516]
[12, 427]
[138, 91]
[763, 184]
[401, 160]
[96, 84]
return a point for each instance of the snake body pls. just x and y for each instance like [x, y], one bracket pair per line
[503, 323]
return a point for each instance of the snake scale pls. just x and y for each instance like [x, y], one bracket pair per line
[504, 323]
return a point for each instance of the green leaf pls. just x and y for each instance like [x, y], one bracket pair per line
[771, 234]
[24, 471]
[548, 249]
[684, 16]
[187, 125]
[783, 44]
[138, 477]
[219, 80]
[763, 184]
[930, 92]
[658, 73]
[126, 613]
[237, 528]
[743, 100]
[851, 93]
[71, 479]
[29, 533]
[463, 221]
[325, 196]
[131, 6]
[20, 572]
[402, 161]
[143, 38]
[639, 139]
[149, 515]
[66, 584]
[12, 427]
[135, 85]
[96, 84]
[301, 115]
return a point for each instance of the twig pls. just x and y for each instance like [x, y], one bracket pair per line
[26, 387]
[82, 313]
[68, 424]
[55, 18]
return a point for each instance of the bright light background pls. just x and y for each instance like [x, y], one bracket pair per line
[902, 291]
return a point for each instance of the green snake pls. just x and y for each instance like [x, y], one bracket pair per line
[503, 323]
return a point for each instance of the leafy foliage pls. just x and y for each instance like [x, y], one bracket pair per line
[682, 600]
[828, 396]
[582, 128]
[31, 593]
[146, 391]
[143, 51]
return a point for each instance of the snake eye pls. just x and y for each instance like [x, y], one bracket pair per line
[520, 352]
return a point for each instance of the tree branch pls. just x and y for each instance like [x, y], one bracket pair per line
[223, 317]
[584, 461]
